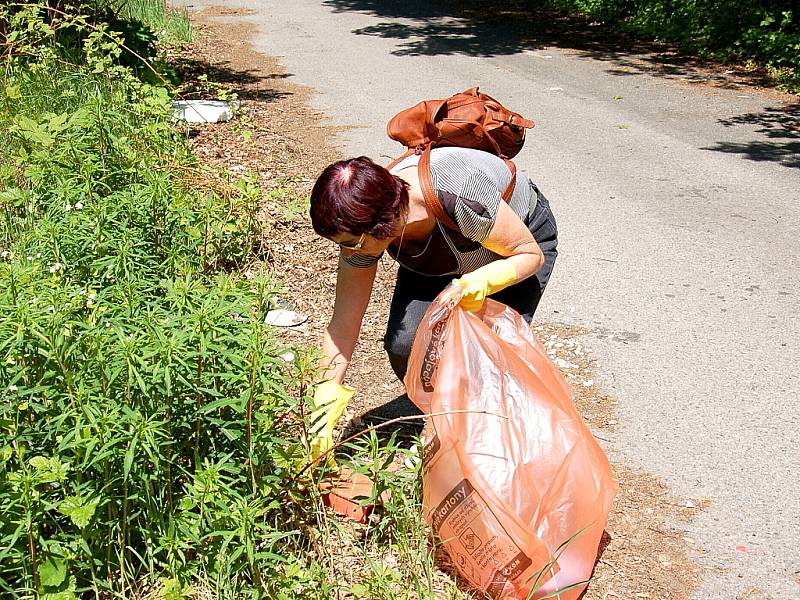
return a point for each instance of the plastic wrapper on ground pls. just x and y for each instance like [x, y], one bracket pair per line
[514, 484]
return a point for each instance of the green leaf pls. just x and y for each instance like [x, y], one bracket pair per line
[40, 463]
[129, 455]
[62, 595]
[49, 470]
[172, 589]
[53, 572]
[80, 118]
[13, 196]
[79, 512]
[563, 590]
[56, 122]
[221, 403]
[359, 590]
[32, 131]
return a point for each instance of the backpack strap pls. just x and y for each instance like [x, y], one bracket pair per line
[509, 191]
[428, 191]
[400, 159]
[432, 198]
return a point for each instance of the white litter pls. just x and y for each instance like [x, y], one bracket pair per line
[556, 89]
[287, 356]
[412, 458]
[564, 364]
[285, 318]
[203, 111]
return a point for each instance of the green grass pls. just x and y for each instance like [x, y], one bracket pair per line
[148, 428]
[171, 25]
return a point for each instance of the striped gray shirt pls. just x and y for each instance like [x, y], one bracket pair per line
[470, 184]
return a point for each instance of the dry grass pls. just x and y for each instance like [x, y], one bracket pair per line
[645, 553]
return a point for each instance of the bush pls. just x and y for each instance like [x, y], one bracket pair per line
[148, 426]
[27, 27]
[766, 31]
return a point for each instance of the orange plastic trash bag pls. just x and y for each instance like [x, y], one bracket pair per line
[514, 484]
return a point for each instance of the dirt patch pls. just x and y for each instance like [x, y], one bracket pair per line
[227, 11]
[277, 137]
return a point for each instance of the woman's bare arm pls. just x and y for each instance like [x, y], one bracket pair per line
[510, 237]
[353, 291]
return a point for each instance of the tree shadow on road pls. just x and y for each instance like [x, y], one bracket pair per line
[781, 128]
[471, 28]
[500, 28]
[497, 28]
[247, 84]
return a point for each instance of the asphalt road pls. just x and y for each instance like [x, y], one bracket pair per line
[678, 206]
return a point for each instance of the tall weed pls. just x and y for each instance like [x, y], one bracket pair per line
[148, 427]
[170, 24]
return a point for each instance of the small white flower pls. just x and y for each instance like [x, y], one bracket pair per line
[68, 207]
[12, 388]
[78, 205]
[29, 257]
[92, 296]
[38, 255]
[107, 324]
[56, 267]
[5, 254]
[51, 309]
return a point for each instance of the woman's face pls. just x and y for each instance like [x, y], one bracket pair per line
[360, 244]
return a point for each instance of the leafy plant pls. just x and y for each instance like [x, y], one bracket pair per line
[148, 426]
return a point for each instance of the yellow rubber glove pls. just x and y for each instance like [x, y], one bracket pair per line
[485, 281]
[330, 400]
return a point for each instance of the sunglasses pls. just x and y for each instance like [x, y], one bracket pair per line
[351, 246]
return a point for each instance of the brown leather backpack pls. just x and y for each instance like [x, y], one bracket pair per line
[470, 119]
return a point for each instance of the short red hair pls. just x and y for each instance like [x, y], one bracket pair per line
[358, 196]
